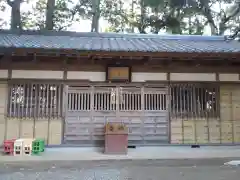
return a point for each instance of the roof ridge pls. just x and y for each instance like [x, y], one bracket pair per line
[114, 35]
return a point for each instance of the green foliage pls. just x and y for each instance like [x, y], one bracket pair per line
[144, 16]
[3, 6]
[65, 14]
[35, 18]
[170, 3]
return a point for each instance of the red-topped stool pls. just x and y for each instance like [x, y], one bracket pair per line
[8, 146]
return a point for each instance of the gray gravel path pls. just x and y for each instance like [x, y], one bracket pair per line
[121, 170]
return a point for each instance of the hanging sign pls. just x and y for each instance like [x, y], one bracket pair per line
[121, 74]
[116, 93]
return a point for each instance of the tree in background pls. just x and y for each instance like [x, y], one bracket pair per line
[62, 15]
[114, 13]
[220, 15]
[15, 13]
[95, 15]
[50, 14]
[174, 16]
[142, 16]
[3, 5]
[146, 15]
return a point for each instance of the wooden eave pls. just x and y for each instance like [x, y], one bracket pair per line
[71, 53]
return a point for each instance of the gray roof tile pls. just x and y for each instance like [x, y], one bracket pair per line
[117, 42]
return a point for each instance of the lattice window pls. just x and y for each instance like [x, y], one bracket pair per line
[104, 100]
[35, 100]
[197, 100]
[79, 101]
[155, 102]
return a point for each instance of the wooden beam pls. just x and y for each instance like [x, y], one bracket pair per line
[34, 57]
[163, 61]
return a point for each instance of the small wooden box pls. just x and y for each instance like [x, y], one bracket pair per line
[116, 138]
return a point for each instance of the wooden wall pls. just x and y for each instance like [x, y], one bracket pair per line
[225, 129]
[3, 99]
[230, 113]
[48, 129]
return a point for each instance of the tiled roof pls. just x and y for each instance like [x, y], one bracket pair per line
[117, 42]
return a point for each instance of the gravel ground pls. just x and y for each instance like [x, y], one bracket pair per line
[121, 170]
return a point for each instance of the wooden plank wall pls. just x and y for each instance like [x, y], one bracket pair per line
[223, 130]
[230, 114]
[3, 96]
[12, 128]
[48, 129]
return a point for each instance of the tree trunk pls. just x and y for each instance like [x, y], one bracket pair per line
[50, 14]
[213, 29]
[222, 28]
[189, 25]
[15, 14]
[199, 30]
[141, 27]
[96, 15]
[176, 30]
[132, 10]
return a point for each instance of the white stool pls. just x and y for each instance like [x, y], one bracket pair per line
[27, 146]
[18, 147]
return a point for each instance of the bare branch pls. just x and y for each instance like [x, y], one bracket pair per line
[235, 34]
[234, 14]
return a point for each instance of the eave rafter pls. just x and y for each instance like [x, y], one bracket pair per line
[100, 57]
